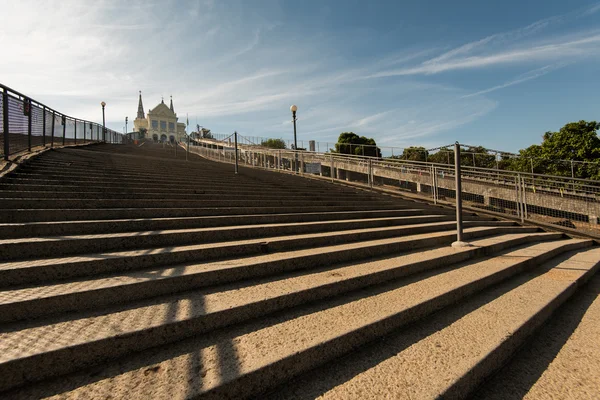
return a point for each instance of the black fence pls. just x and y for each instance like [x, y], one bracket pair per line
[27, 123]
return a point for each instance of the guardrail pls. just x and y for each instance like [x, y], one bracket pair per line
[568, 202]
[27, 123]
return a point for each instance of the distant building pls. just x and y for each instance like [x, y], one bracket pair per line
[160, 123]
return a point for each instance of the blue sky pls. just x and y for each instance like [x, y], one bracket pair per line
[495, 73]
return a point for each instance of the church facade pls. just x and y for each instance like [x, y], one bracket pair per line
[160, 123]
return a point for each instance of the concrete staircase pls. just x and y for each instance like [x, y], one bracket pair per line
[127, 272]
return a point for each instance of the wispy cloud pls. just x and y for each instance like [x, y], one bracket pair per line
[530, 75]
[582, 47]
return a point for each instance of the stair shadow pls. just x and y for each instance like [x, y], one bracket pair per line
[222, 340]
[521, 373]
[324, 378]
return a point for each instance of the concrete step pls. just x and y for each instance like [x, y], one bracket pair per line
[24, 181]
[64, 214]
[348, 230]
[28, 229]
[303, 234]
[183, 257]
[44, 179]
[158, 202]
[126, 187]
[133, 171]
[561, 360]
[142, 326]
[462, 346]
[248, 359]
[305, 196]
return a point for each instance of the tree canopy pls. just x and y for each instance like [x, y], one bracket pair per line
[273, 143]
[351, 143]
[413, 153]
[576, 141]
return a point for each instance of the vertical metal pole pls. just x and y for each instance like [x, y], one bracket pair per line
[332, 168]
[64, 118]
[103, 126]
[5, 123]
[524, 194]
[433, 184]
[29, 126]
[458, 188]
[370, 173]
[187, 151]
[520, 208]
[75, 132]
[295, 143]
[44, 126]
[52, 133]
[573, 175]
[84, 131]
[236, 152]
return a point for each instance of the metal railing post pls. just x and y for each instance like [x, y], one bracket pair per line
[75, 130]
[332, 168]
[458, 189]
[524, 195]
[5, 123]
[520, 212]
[370, 173]
[52, 133]
[29, 126]
[187, 150]
[44, 126]
[64, 119]
[433, 185]
[236, 152]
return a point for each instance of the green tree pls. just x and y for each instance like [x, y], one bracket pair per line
[351, 143]
[477, 156]
[273, 143]
[413, 153]
[529, 159]
[577, 141]
[443, 156]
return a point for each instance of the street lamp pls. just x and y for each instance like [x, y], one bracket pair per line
[293, 109]
[103, 104]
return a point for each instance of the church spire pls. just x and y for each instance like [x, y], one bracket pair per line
[140, 113]
[172, 105]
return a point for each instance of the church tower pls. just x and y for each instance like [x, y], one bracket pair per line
[140, 123]
[140, 114]
[171, 107]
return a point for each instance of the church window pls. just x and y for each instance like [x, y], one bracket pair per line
[163, 125]
[171, 127]
[154, 124]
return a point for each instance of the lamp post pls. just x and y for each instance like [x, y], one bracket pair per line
[126, 119]
[293, 109]
[103, 104]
